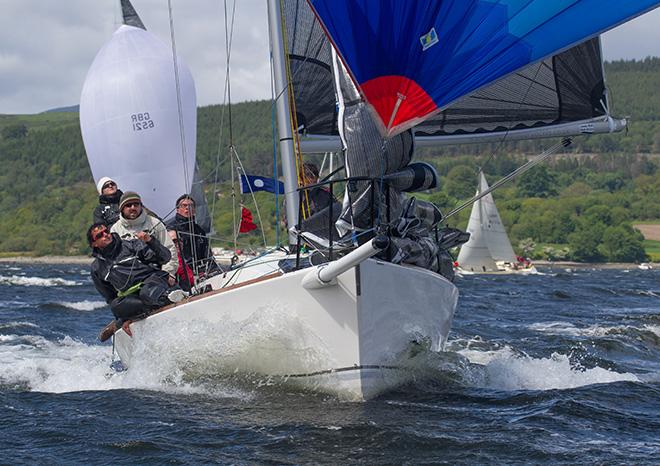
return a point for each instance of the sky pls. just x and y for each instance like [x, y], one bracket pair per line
[47, 46]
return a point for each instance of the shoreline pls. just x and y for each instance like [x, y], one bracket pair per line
[593, 265]
[47, 260]
[540, 263]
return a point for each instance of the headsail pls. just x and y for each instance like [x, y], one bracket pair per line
[413, 58]
[491, 223]
[474, 255]
[129, 117]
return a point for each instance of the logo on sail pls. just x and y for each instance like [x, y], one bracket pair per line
[429, 39]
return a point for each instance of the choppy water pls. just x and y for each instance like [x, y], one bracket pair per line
[555, 368]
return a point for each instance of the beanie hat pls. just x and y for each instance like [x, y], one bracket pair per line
[185, 196]
[129, 196]
[102, 181]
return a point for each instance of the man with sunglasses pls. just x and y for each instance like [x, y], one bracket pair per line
[107, 211]
[193, 243]
[126, 273]
[134, 218]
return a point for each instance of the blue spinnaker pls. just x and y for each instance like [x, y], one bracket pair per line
[412, 58]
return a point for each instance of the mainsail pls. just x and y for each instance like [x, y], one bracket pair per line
[488, 242]
[129, 116]
[411, 59]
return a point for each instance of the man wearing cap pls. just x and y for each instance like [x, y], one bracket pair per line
[125, 273]
[134, 218]
[107, 211]
[193, 243]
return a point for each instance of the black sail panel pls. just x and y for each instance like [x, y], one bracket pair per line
[310, 63]
[565, 88]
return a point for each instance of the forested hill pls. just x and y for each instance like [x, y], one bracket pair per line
[47, 194]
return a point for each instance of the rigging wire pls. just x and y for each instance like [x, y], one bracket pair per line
[231, 131]
[182, 132]
[274, 136]
[500, 144]
[256, 205]
[218, 163]
[518, 171]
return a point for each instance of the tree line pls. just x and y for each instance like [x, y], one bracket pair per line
[580, 205]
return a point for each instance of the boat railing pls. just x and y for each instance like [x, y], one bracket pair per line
[377, 185]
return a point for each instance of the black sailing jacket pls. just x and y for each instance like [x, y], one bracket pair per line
[107, 212]
[126, 263]
[195, 246]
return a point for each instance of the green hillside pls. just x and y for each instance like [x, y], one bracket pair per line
[577, 206]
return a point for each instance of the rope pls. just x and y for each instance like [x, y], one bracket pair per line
[256, 205]
[218, 162]
[518, 171]
[306, 210]
[274, 136]
[233, 198]
[182, 133]
[499, 145]
[178, 99]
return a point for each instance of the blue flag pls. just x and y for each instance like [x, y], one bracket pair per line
[251, 183]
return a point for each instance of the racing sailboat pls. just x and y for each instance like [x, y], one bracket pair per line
[346, 318]
[489, 250]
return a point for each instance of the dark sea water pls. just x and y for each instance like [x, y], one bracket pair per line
[560, 368]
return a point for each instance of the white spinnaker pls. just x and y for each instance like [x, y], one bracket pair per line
[129, 118]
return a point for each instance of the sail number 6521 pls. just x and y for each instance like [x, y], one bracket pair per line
[142, 121]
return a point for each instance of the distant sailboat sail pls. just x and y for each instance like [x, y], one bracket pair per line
[413, 58]
[488, 242]
[129, 116]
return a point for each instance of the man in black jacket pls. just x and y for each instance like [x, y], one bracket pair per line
[193, 244]
[126, 272]
[107, 212]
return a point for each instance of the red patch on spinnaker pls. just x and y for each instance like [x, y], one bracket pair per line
[384, 92]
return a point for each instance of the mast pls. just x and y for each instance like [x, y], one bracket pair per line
[285, 132]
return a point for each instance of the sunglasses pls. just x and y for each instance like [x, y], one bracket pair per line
[132, 204]
[108, 184]
[100, 234]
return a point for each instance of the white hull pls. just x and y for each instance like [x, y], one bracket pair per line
[348, 339]
[502, 269]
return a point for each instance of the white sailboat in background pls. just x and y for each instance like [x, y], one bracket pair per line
[489, 249]
[349, 324]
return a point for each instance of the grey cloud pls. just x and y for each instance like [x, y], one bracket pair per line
[46, 46]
